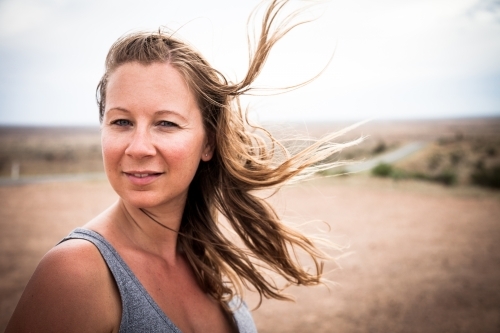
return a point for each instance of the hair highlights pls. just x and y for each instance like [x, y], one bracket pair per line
[246, 158]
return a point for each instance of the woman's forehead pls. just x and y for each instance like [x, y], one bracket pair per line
[157, 85]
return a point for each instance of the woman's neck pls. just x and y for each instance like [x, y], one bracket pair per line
[150, 230]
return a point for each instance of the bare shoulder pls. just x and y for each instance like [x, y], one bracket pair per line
[71, 290]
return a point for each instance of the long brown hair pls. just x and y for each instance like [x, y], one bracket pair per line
[246, 158]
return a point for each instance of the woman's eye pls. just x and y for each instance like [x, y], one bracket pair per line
[121, 122]
[165, 123]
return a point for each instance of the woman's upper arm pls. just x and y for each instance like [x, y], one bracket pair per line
[71, 290]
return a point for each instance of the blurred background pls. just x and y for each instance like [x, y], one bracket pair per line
[420, 209]
[392, 59]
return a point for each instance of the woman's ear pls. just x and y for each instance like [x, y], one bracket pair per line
[208, 150]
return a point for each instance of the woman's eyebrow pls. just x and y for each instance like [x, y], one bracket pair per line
[119, 109]
[163, 112]
[159, 112]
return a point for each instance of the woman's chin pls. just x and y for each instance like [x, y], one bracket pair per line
[142, 203]
[152, 202]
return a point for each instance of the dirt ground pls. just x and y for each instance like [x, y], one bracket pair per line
[421, 257]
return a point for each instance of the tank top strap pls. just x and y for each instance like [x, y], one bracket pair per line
[242, 315]
[140, 313]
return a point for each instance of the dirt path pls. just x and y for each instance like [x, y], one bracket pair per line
[389, 157]
[425, 258]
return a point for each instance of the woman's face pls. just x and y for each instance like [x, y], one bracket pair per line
[152, 135]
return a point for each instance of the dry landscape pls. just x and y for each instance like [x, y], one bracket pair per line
[422, 257]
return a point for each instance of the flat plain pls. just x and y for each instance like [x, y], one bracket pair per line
[418, 256]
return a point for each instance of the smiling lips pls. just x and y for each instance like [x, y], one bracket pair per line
[140, 175]
[143, 177]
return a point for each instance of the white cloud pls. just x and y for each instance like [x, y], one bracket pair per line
[17, 16]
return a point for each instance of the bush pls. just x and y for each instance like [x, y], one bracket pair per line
[380, 148]
[456, 157]
[420, 176]
[491, 151]
[434, 161]
[487, 177]
[382, 170]
[446, 177]
[398, 174]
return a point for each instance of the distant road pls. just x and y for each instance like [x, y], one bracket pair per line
[52, 178]
[390, 157]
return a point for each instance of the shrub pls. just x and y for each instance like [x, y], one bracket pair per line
[398, 174]
[420, 176]
[491, 151]
[456, 157]
[488, 177]
[382, 170]
[479, 164]
[380, 148]
[446, 177]
[434, 161]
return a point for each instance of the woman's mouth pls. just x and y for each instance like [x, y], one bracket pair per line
[142, 178]
[141, 175]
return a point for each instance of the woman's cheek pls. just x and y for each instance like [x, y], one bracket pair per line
[182, 153]
[110, 150]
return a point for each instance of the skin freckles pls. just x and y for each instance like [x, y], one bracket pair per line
[153, 137]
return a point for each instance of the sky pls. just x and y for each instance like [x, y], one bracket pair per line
[392, 59]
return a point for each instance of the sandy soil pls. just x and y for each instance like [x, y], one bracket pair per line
[423, 258]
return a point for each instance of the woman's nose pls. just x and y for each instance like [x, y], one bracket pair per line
[141, 145]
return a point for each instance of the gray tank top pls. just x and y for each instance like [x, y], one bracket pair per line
[140, 313]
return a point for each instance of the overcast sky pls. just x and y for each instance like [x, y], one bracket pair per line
[393, 59]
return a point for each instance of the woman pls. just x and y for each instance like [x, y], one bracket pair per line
[178, 151]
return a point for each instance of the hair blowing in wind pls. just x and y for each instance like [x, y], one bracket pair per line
[246, 158]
